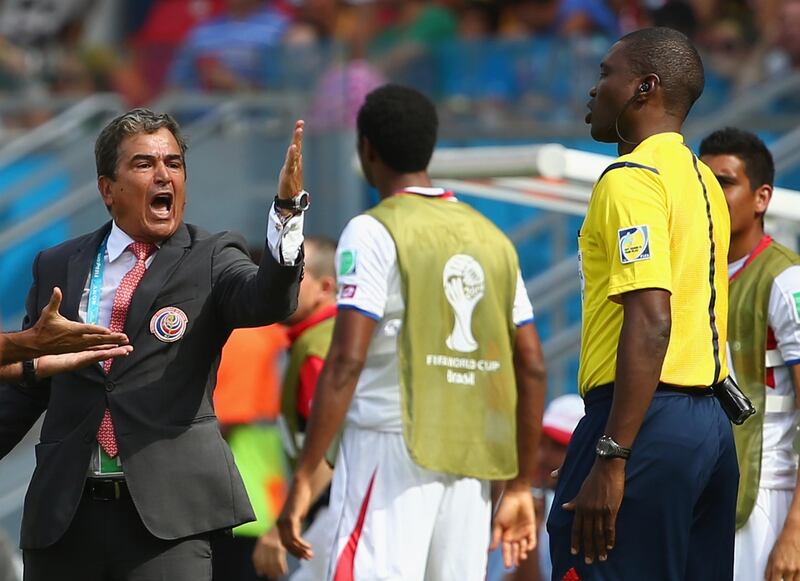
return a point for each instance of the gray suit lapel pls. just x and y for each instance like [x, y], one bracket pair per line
[78, 267]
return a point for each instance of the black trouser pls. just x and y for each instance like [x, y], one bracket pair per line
[233, 558]
[107, 541]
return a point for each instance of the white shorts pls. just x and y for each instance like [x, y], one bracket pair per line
[755, 539]
[397, 521]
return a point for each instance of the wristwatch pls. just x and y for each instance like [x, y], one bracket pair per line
[299, 203]
[29, 373]
[607, 448]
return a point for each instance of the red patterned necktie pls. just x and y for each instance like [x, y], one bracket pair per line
[119, 312]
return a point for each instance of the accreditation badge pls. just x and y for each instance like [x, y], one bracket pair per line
[169, 324]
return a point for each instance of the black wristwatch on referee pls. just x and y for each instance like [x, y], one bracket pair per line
[607, 448]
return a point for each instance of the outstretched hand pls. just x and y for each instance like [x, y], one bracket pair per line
[50, 365]
[514, 525]
[290, 181]
[54, 334]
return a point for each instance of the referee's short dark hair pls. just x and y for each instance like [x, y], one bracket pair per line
[670, 55]
[401, 125]
[756, 157]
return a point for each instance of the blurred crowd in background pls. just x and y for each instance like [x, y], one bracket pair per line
[503, 56]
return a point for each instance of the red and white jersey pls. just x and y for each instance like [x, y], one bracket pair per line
[369, 282]
[779, 460]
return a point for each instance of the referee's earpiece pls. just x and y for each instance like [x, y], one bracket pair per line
[644, 87]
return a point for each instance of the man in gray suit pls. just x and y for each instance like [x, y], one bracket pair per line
[132, 476]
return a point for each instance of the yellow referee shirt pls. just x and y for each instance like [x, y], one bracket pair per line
[647, 226]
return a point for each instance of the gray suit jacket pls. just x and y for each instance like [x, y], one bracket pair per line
[180, 472]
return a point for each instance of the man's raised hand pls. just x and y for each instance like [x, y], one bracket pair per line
[290, 181]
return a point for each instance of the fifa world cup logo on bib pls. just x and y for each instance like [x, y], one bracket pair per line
[463, 287]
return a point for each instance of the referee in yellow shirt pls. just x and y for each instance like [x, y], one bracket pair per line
[648, 488]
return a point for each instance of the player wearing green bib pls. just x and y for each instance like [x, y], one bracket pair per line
[436, 365]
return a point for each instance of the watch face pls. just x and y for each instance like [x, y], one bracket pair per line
[303, 201]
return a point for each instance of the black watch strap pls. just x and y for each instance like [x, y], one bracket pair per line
[29, 373]
[299, 203]
[607, 447]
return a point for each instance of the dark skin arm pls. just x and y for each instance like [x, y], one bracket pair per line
[784, 559]
[53, 334]
[514, 523]
[352, 334]
[641, 350]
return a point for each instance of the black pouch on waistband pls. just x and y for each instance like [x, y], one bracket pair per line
[736, 404]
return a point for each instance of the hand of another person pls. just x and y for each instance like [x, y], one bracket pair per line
[514, 525]
[596, 508]
[269, 556]
[291, 518]
[784, 559]
[54, 334]
[290, 181]
[50, 365]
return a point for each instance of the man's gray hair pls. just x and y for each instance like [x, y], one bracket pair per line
[135, 121]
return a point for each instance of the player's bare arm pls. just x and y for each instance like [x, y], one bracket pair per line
[351, 337]
[269, 555]
[784, 559]
[53, 334]
[514, 523]
[641, 350]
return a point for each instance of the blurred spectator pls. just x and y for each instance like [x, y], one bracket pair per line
[230, 52]
[164, 28]
[340, 92]
[789, 33]
[676, 14]
[563, 17]
[476, 68]
[586, 17]
[414, 22]
[341, 31]
[39, 42]
[478, 20]
[777, 57]
[32, 23]
[403, 49]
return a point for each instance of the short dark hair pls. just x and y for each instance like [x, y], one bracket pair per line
[756, 157]
[401, 125]
[670, 55]
[135, 121]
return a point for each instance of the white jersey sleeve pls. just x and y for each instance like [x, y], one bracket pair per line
[365, 258]
[784, 314]
[523, 310]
